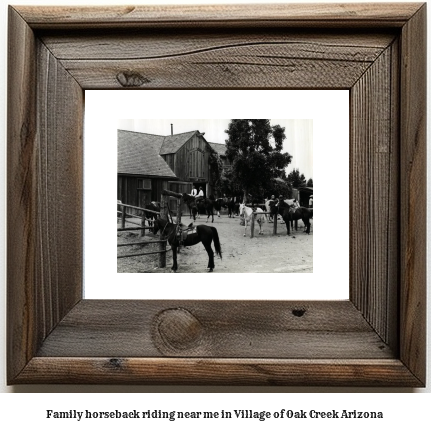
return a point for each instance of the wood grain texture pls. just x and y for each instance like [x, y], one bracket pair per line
[203, 59]
[21, 197]
[44, 193]
[376, 338]
[217, 371]
[59, 183]
[240, 329]
[413, 194]
[268, 15]
[374, 187]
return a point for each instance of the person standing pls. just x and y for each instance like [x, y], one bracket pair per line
[194, 191]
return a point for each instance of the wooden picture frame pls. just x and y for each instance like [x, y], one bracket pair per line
[376, 338]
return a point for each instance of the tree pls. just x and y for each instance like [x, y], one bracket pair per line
[310, 182]
[254, 148]
[296, 179]
[215, 169]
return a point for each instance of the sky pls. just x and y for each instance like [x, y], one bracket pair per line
[298, 142]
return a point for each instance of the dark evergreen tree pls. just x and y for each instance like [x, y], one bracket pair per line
[255, 150]
[296, 179]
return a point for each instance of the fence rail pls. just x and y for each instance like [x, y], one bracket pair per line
[162, 250]
[164, 211]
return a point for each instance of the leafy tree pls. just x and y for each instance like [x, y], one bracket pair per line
[296, 179]
[254, 148]
[215, 165]
[310, 182]
[280, 187]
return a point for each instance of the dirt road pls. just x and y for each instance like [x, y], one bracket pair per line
[262, 254]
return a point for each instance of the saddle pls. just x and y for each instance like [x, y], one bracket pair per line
[184, 230]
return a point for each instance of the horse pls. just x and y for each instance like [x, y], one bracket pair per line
[218, 204]
[204, 234]
[268, 204]
[206, 205]
[247, 212]
[153, 206]
[290, 213]
[231, 207]
[190, 200]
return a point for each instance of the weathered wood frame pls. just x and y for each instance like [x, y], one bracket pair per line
[376, 338]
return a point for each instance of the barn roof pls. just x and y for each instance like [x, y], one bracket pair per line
[139, 154]
[172, 143]
[219, 148]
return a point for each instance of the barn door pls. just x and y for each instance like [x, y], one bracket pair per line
[179, 187]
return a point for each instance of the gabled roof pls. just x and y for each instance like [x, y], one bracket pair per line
[219, 148]
[139, 154]
[172, 143]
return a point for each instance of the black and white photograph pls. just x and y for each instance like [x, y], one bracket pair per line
[215, 196]
[219, 200]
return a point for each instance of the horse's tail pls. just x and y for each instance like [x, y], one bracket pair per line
[216, 241]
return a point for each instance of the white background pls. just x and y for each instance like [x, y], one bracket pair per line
[403, 410]
[330, 113]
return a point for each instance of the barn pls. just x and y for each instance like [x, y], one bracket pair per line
[148, 163]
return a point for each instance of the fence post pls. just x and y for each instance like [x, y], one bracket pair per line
[274, 228]
[179, 210]
[143, 224]
[163, 215]
[253, 216]
[123, 217]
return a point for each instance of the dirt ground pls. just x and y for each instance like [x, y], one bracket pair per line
[262, 254]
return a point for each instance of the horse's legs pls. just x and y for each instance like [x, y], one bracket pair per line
[210, 253]
[307, 224]
[288, 222]
[174, 259]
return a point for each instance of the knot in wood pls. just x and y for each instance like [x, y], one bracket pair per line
[131, 79]
[178, 329]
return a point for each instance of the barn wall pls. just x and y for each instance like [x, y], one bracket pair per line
[170, 160]
[189, 164]
[129, 193]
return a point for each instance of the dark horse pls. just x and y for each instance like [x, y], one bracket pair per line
[191, 204]
[233, 206]
[204, 234]
[203, 205]
[290, 214]
[153, 206]
[218, 204]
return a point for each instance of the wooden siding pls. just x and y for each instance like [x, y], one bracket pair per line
[187, 160]
[170, 160]
[128, 191]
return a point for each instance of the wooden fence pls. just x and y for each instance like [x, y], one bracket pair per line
[164, 213]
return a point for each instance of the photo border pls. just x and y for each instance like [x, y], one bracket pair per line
[376, 338]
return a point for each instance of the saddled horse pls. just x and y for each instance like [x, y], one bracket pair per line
[246, 212]
[150, 216]
[175, 237]
[290, 213]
